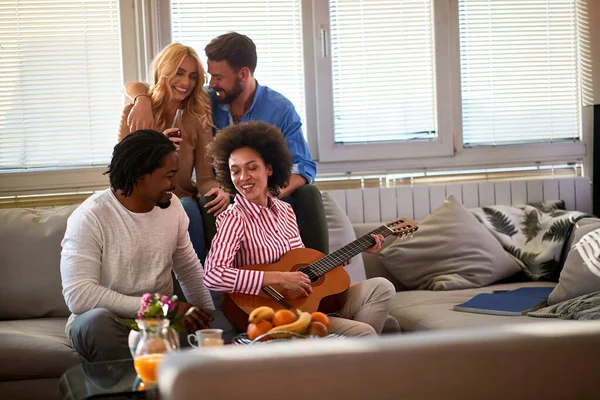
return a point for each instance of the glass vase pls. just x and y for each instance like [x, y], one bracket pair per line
[157, 340]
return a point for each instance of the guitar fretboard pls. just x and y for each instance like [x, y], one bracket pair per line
[338, 257]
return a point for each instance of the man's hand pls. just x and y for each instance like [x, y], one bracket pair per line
[198, 319]
[295, 182]
[140, 116]
[220, 203]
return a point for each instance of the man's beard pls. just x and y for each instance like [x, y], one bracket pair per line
[233, 94]
[164, 205]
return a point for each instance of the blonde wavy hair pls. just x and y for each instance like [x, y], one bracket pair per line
[165, 66]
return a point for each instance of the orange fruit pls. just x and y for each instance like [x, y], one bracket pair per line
[284, 317]
[320, 317]
[257, 329]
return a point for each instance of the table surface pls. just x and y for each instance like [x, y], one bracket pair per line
[106, 380]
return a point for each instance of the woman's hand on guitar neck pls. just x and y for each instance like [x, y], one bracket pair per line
[297, 282]
[376, 248]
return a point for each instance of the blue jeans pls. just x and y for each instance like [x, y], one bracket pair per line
[196, 226]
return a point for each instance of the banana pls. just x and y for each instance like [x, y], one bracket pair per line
[298, 326]
[260, 314]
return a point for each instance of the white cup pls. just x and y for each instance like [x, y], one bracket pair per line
[195, 339]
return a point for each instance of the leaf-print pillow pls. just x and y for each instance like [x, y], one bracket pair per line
[532, 233]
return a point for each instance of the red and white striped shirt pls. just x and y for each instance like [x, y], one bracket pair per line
[249, 234]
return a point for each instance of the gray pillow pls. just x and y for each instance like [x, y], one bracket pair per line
[340, 234]
[30, 262]
[451, 250]
[581, 273]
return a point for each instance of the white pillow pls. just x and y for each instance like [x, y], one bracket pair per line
[340, 234]
[581, 273]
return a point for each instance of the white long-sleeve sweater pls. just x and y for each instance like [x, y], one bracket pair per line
[112, 256]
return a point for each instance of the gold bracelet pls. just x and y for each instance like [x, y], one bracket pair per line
[138, 95]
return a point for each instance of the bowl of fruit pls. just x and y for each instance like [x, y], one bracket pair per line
[267, 325]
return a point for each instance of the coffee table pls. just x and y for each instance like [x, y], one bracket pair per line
[103, 380]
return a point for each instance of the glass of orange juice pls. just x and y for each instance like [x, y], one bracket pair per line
[147, 365]
[152, 348]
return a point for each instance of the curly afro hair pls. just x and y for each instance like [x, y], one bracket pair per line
[266, 139]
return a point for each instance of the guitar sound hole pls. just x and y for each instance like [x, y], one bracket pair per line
[313, 277]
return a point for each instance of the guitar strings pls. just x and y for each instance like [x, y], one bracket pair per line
[324, 265]
[336, 258]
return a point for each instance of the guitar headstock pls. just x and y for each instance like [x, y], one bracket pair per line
[402, 227]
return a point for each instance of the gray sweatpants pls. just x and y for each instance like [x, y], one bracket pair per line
[97, 335]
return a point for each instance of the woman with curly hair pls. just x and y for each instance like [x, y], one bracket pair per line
[253, 162]
[178, 85]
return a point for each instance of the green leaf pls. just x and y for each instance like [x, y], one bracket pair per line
[516, 253]
[500, 222]
[525, 257]
[529, 258]
[531, 225]
[547, 206]
[130, 323]
[550, 269]
[558, 231]
[539, 205]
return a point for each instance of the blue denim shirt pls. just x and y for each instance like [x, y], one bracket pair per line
[274, 108]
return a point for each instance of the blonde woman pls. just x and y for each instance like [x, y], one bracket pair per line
[179, 80]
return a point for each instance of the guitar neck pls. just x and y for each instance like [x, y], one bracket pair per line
[338, 257]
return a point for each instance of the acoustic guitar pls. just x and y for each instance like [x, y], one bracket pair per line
[330, 281]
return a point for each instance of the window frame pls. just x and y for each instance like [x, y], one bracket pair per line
[336, 158]
[135, 60]
[329, 151]
[145, 28]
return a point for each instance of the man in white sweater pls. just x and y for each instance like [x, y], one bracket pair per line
[124, 242]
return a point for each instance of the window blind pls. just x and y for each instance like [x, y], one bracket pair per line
[382, 57]
[275, 27]
[519, 71]
[60, 83]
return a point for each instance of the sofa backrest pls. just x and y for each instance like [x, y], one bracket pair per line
[529, 361]
[30, 262]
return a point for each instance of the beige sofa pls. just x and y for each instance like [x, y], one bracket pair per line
[34, 350]
[418, 310]
[532, 361]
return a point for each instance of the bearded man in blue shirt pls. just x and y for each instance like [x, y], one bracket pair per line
[238, 97]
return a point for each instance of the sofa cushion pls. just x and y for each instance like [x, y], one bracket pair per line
[581, 273]
[340, 234]
[30, 262]
[451, 250]
[35, 349]
[418, 310]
